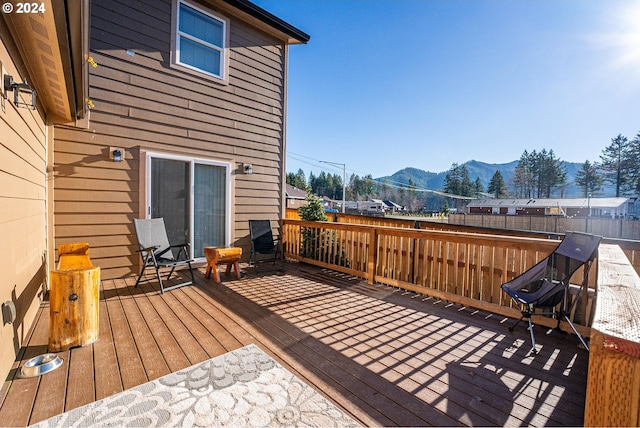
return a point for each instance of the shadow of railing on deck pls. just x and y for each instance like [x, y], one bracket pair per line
[464, 268]
[438, 366]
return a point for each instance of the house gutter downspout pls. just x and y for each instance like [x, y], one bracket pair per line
[283, 176]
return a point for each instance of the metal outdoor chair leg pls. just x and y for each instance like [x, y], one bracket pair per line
[170, 273]
[160, 279]
[534, 351]
[140, 275]
[514, 325]
[575, 330]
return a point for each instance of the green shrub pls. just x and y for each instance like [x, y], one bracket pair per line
[313, 211]
[314, 243]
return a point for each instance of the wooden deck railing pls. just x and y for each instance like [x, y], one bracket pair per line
[613, 382]
[630, 247]
[458, 267]
[469, 268]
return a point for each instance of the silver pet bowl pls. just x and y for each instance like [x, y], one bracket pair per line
[40, 365]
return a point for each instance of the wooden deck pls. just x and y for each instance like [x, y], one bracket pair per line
[385, 356]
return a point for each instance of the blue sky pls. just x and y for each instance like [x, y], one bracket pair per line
[388, 84]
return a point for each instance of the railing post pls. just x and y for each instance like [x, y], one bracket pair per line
[372, 256]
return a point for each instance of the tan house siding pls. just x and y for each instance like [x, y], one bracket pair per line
[23, 210]
[143, 103]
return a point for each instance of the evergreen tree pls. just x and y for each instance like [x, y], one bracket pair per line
[634, 163]
[589, 179]
[319, 185]
[497, 187]
[466, 185]
[368, 185]
[477, 187]
[523, 176]
[291, 178]
[550, 173]
[336, 185]
[312, 182]
[360, 187]
[538, 174]
[326, 185]
[331, 190]
[313, 210]
[453, 180]
[445, 209]
[616, 163]
[297, 180]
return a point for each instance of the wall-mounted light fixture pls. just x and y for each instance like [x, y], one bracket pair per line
[247, 168]
[8, 312]
[116, 154]
[19, 88]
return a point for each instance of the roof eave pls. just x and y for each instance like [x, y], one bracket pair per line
[294, 35]
[50, 45]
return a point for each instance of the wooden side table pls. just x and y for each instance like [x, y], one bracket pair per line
[229, 255]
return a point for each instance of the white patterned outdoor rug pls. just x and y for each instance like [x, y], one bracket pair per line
[242, 388]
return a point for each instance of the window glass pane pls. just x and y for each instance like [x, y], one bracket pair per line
[201, 26]
[170, 197]
[209, 207]
[199, 56]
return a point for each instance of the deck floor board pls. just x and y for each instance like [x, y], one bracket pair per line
[129, 361]
[385, 356]
[80, 380]
[107, 373]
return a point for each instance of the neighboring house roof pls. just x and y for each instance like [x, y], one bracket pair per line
[295, 35]
[549, 202]
[387, 204]
[392, 204]
[295, 193]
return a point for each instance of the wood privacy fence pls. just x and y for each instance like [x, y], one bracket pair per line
[458, 267]
[605, 227]
[416, 223]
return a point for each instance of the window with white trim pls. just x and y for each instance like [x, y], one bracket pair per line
[200, 39]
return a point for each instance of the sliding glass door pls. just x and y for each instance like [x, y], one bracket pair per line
[193, 198]
[170, 198]
[210, 207]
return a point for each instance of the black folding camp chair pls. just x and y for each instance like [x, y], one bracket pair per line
[157, 253]
[263, 242]
[546, 285]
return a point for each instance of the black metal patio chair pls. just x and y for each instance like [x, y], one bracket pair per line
[157, 253]
[546, 284]
[263, 242]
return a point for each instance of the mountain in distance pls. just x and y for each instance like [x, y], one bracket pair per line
[435, 180]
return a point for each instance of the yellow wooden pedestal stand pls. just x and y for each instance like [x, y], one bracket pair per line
[229, 255]
[73, 299]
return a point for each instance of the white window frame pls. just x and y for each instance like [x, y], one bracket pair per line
[175, 41]
[192, 162]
